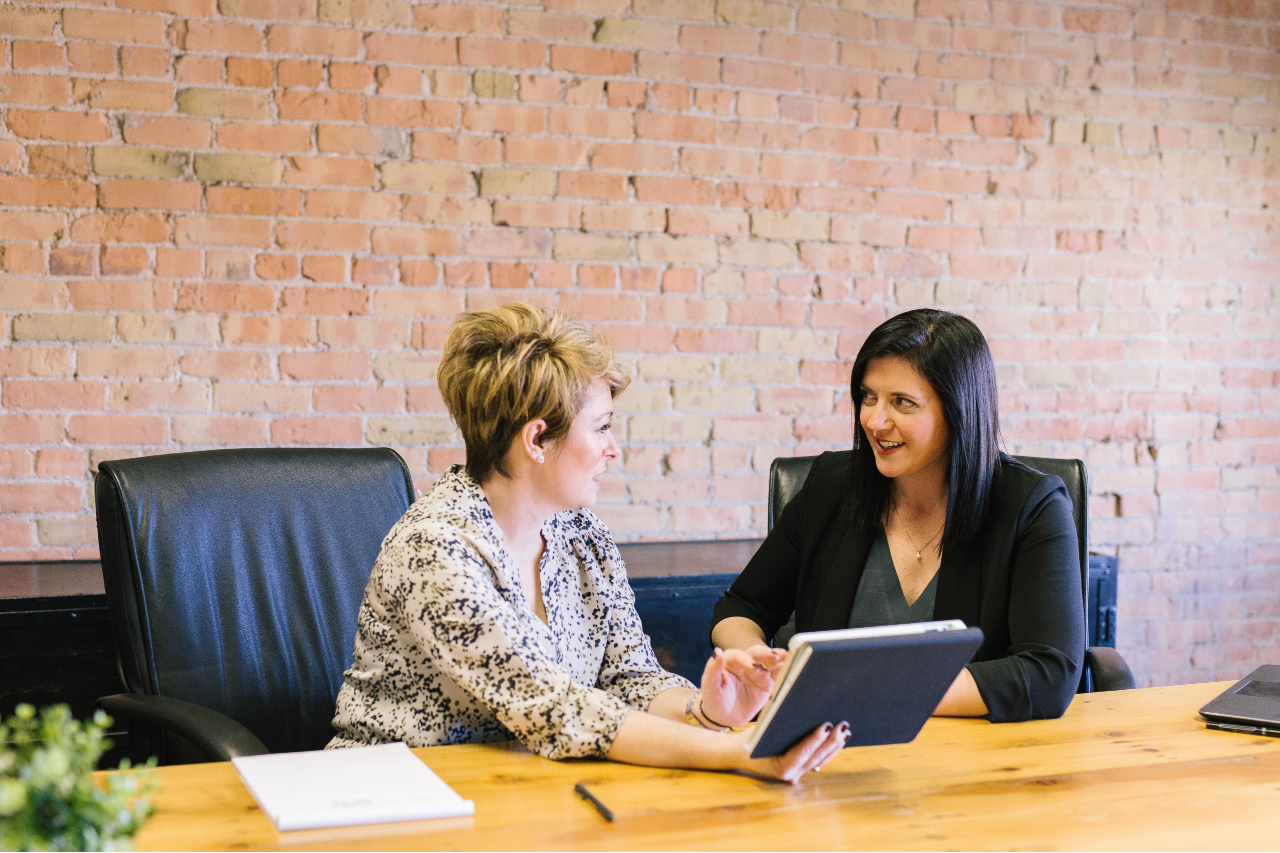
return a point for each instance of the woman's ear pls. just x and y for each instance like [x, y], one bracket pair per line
[531, 439]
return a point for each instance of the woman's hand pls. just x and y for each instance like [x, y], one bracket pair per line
[736, 683]
[812, 753]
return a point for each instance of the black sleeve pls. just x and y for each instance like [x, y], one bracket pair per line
[765, 592]
[1041, 672]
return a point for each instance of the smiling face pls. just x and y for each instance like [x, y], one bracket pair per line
[573, 463]
[903, 418]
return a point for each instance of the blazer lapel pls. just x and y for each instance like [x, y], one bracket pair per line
[842, 580]
[959, 594]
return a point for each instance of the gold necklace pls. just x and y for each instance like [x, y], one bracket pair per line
[908, 532]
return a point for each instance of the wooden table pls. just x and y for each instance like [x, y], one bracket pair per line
[1126, 770]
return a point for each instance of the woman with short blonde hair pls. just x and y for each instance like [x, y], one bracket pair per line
[499, 607]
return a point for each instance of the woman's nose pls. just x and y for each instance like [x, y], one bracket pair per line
[612, 451]
[873, 417]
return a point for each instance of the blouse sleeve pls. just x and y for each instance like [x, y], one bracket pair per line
[459, 619]
[630, 670]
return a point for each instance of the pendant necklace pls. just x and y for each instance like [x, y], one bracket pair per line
[908, 533]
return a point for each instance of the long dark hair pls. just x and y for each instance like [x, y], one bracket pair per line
[951, 354]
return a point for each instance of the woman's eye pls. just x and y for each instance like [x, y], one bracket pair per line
[905, 403]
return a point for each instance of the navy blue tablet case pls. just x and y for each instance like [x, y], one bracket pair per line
[886, 687]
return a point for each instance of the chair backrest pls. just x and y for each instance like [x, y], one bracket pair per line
[233, 577]
[787, 475]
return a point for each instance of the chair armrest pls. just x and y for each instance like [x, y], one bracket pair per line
[1108, 670]
[221, 737]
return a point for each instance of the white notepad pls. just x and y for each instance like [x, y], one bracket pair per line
[343, 787]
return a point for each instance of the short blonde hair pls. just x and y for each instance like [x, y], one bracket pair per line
[504, 367]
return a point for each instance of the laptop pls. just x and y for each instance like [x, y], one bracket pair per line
[1251, 705]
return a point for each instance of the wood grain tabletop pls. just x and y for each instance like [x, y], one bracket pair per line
[1130, 770]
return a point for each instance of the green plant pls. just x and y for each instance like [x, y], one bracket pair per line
[48, 798]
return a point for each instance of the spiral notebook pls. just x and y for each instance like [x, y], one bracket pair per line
[344, 787]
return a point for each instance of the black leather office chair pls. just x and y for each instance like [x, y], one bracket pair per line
[1106, 668]
[233, 578]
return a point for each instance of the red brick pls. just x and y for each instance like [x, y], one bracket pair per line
[313, 41]
[123, 26]
[590, 60]
[501, 53]
[324, 300]
[325, 268]
[272, 10]
[37, 54]
[593, 185]
[117, 429]
[219, 430]
[267, 331]
[66, 126]
[281, 139]
[316, 430]
[91, 58]
[120, 228]
[295, 105]
[305, 73]
[411, 49]
[253, 201]
[22, 260]
[125, 362]
[223, 231]
[253, 397]
[324, 236]
[416, 273]
[358, 398]
[121, 295]
[458, 18]
[414, 240]
[332, 171]
[23, 498]
[149, 194]
[673, 190]
[683, 68]
[565, 121]
[53, 395]
[59, 462]
[73, 260]
[249, 71]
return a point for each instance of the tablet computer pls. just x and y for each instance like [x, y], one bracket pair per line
[885, 681]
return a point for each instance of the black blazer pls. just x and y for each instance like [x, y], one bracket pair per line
[1018, 580]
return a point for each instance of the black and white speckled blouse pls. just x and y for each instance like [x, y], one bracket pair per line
[449, 650]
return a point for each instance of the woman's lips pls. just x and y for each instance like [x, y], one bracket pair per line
[885, 451]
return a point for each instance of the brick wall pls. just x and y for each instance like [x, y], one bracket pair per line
[249, 222]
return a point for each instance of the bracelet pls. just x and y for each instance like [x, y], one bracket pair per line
[693, 719]
[721, 726]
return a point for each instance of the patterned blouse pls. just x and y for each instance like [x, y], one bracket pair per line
[449, 650]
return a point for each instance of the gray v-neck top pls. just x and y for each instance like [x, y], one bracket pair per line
[879, 599]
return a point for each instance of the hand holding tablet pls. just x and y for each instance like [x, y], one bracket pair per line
[885, 681]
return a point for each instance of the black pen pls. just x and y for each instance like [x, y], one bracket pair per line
[581, 790]
[1244, 730]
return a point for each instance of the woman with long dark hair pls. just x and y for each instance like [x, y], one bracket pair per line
[924, 519]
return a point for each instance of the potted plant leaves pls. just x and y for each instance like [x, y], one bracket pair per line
[49, 799]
